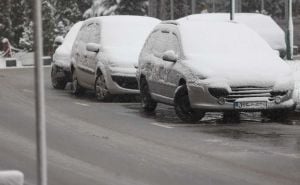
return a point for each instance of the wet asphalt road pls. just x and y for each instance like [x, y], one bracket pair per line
[92, 143]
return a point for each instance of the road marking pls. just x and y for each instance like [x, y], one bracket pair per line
[82, 104]
[27, 90]
[161, 125]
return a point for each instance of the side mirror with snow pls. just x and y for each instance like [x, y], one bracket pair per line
[93, 47]
[170, 56]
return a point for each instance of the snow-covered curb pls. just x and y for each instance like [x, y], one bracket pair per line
[295, 66]
[11, 178]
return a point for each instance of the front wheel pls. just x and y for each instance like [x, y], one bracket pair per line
[101, 90]
[148, 104]
[183, 107]
[57, 83]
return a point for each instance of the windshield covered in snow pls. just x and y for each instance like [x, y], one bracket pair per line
[71, 36]
[223, 41]
[129, 33]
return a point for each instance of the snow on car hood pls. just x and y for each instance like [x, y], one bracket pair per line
[62, 56]
[234, 53]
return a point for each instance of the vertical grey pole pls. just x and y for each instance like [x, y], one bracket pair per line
[213, 6]
[172, 9]
[262, 6]
[39, 96]
[290, 31]
[232, 9]
[193, 6]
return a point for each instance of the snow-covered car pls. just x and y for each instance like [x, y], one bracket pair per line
[105, 54]
[204, 66]
[61, 70]
[264, 25]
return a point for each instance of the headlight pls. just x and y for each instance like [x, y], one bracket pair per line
[218, 92]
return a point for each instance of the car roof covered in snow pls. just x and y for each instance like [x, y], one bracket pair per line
[264, 25]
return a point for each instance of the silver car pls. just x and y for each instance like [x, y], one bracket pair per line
[202, 66]
[105, 54]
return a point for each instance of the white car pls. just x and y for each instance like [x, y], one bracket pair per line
[204, 66]
[264, 25]
[106, 52]
[61, 70]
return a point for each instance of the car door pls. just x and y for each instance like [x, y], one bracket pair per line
[159, 43]
[84, 72]
[79, 52]
[91, 57]
[172, 75]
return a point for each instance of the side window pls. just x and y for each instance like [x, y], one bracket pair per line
[94, 33]
[173, 43]
[160, 43]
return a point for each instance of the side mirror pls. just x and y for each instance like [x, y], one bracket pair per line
[93, 47]
[170, 56]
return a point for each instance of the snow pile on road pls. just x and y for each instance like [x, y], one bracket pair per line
[264, 25]
[234, 52]
[11, 178]
[295, 66]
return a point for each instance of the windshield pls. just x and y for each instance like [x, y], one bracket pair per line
[129, 34]
[223, 40]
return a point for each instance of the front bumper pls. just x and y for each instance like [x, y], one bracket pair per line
[120, 81]
[62, 73]
[201, 99]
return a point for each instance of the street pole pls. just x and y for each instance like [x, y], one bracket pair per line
[172, 9]
[193, 6]
[213, 6]
[39, 96]
[262, 6]
[232, 9]
[290, 31]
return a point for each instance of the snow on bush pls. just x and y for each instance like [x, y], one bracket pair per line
[11, 178]
[233, 52]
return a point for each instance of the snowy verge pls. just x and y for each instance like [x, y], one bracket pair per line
[11, 178]
[295, 66]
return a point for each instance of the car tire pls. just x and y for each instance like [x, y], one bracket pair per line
[276, 115]
[77, 89]
[147, 103]
[183, 107]
[57, 83]
[101, 90]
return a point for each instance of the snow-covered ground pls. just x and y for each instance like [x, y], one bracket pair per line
[295, 66]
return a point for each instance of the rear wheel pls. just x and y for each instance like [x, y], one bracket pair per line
[148, 104]
[77, 89]
[101, 90]
[57, 83]
[183, 107]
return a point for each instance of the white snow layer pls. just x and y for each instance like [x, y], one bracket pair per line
[233, 52]
[11, 178]
[122, 37]
[62, 55]
[264, 25]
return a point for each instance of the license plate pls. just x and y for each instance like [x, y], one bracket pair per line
[251, 105]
